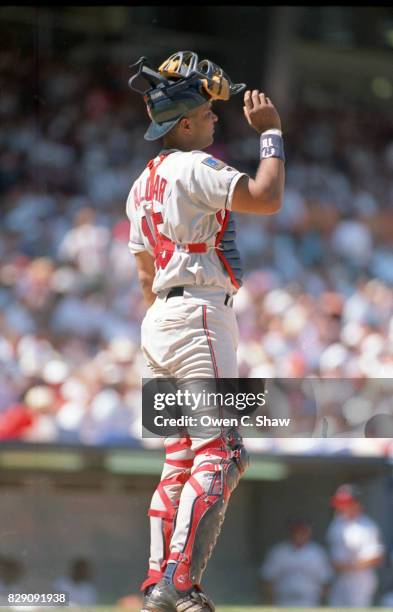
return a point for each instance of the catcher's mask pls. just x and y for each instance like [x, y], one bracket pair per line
[181, 84]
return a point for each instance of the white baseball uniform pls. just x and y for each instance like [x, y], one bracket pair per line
[189, 193]
[186, 197]
[350, 540]
[298, 574]
[179, 211]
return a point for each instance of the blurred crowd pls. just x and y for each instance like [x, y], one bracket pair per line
[317, 297]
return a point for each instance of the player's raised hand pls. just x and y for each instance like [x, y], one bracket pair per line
[260, 112]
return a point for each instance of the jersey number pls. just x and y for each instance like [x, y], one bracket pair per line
[162, 259]
[147, 232]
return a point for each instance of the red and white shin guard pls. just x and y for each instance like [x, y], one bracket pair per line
[164, 505]
[204, 499]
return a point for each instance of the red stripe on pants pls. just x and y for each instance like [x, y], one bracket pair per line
[205, 327]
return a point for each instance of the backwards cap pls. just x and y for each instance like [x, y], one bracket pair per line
[181, 84]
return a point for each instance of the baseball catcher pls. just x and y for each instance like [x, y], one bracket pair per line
[183, 236]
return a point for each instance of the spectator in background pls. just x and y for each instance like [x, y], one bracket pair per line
[356, 550]
[296, 572]
[78, 584]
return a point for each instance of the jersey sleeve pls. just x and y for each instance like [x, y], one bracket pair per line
[213, 182]
[135, 243]
[270, 568]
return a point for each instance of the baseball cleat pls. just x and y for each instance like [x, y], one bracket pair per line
[146, 598]
[165, 598]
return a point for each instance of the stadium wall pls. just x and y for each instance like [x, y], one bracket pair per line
[47, 519]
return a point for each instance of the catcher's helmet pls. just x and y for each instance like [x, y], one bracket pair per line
[181, 84]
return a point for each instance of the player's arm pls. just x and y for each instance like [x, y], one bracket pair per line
[374, 561]
[146, 272]
[264, 194]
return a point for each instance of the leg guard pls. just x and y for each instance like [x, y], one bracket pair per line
[164, 504]
[203, 503]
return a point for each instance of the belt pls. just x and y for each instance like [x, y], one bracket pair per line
[178, 291]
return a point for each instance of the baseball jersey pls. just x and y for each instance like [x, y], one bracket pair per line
[354, 539]
[297, 574]
[186, 197]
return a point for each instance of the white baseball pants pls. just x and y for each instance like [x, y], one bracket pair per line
[190, 336]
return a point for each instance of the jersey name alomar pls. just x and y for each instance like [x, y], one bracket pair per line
[192, 191]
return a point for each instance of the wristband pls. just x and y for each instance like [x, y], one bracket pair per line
[272, 145]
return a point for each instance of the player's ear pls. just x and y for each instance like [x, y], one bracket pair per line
[185, 125]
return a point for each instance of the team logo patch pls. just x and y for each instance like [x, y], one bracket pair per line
[214, 163]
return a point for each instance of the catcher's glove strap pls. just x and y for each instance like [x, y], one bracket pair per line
[178, 291]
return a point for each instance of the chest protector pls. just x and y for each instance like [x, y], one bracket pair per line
[230, 250]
